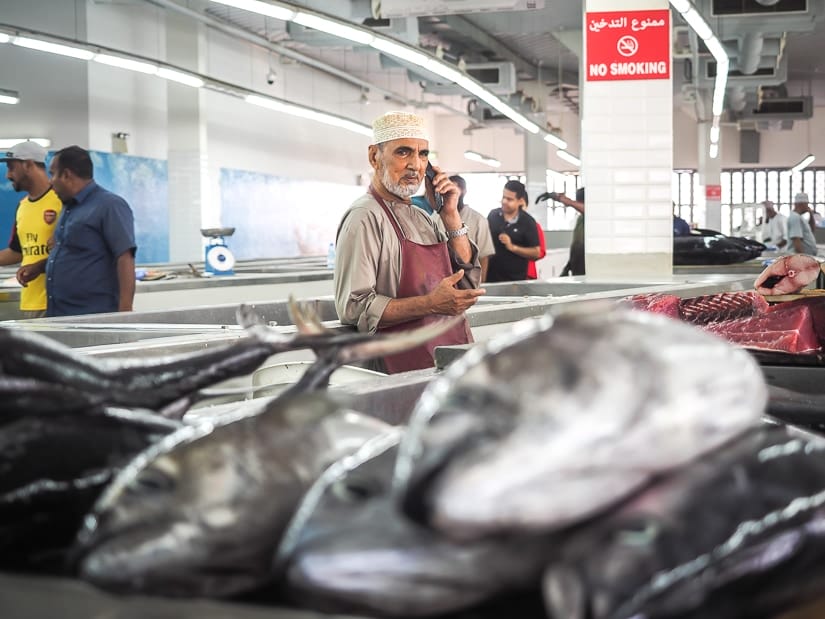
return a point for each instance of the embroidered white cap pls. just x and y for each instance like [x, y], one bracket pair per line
[25, 151]
[397, 125]
[800, 198]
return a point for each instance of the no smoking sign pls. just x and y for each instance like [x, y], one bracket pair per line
[627, 45]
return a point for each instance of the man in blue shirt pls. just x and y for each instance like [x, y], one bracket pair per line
[91, 268]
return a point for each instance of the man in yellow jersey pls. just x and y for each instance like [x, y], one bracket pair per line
[34, 221]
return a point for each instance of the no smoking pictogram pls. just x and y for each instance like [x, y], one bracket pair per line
[627, 46]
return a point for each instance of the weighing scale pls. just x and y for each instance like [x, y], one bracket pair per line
[218, 260]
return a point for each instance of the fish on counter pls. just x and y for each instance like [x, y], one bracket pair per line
[561, 418]
[201, 512]
[170, 385]
[701, 310]
[788, 275]
[52, 469]
[349, 550]
[738, 534]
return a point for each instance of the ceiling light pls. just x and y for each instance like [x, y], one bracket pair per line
[4, 38]
[309, 113]
[333, 28]
[699, 25]
[54, 48]
[563, 154]
[714, 151]
[127, 63]
[9, 142]
[555, 141]
[803, 164]
[714, 134]
[182, 78]
[9, 97]
[682, 6]
[474, 156]
[262, 8]
[400, 51]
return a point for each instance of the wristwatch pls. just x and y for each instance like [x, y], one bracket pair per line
[454, 234]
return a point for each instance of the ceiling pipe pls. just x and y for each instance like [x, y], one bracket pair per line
[750, 52]
[737, 98]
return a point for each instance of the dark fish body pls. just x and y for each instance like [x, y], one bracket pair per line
[52, 469]
[591, 405]
[738, 534]
[354, 552]
[21, 397]
[151, 384]
[201, 512]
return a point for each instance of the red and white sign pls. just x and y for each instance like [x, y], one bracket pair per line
[713, 192]
[628, 45]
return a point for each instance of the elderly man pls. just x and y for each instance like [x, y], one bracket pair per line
[799, 231]
[775, 227]
[397, 268]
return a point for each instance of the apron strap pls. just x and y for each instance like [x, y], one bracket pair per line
[396, 226]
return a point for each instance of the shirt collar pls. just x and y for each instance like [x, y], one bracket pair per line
[84, 193]
[510, 221]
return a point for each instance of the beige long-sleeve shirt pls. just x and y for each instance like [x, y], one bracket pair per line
[479, 231]
[368, 258]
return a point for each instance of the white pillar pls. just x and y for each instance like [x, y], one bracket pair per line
[627, 138]
[535, 167]
[710, 183]
[189, 185]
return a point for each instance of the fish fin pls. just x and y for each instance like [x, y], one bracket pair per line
[255, 327]
[305, 318]
[383, 345]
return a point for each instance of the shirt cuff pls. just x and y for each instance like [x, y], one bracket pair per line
[372, 316]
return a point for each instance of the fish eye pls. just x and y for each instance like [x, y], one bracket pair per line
[355, 490]
[153, 480]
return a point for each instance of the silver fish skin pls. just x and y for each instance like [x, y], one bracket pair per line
[201, 512]
[738, 534]
[561, 418]
[350, 550]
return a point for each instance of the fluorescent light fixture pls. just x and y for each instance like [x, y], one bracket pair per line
[4, 38]
[563, 154]
[9, 97]
[127, 63]
[400, 51]
[714, 151]
[474, 156]
[555, 141]
[182, 78]
[54, 48]
[803, 164]
[309, 113]
[683, 6]
[262, 8]
[9, 142]
[714, 134]
[334, 28]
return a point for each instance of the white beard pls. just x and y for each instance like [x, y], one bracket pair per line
[402, 190]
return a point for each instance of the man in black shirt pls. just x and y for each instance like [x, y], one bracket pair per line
[515, 236]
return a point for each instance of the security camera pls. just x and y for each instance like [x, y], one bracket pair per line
[271, 77]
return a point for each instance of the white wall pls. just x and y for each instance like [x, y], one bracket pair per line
[780, 148]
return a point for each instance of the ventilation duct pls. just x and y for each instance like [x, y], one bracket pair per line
[722, 8]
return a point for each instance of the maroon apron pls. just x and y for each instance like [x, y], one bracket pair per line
[422, 269]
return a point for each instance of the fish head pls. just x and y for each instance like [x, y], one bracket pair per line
[201, 512]
[557, 420]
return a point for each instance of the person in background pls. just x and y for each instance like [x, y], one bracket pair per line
[680, 226]
[91, 268]
[802, 240]
[514, 236]
[774, 227]
[575, 264]
[479, 231]
[34, 220]
[532, 270]
[396, 267]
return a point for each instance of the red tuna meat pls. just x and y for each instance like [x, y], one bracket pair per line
[666, 304]
[787, 329]
[724, 306]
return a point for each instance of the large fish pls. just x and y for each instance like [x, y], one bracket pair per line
[349, 549]
[170, 385]
[788, 275]
[52, 469]
[559, 419]
[738, 534]
[201, 512]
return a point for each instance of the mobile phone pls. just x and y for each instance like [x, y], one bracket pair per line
[437, 197]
